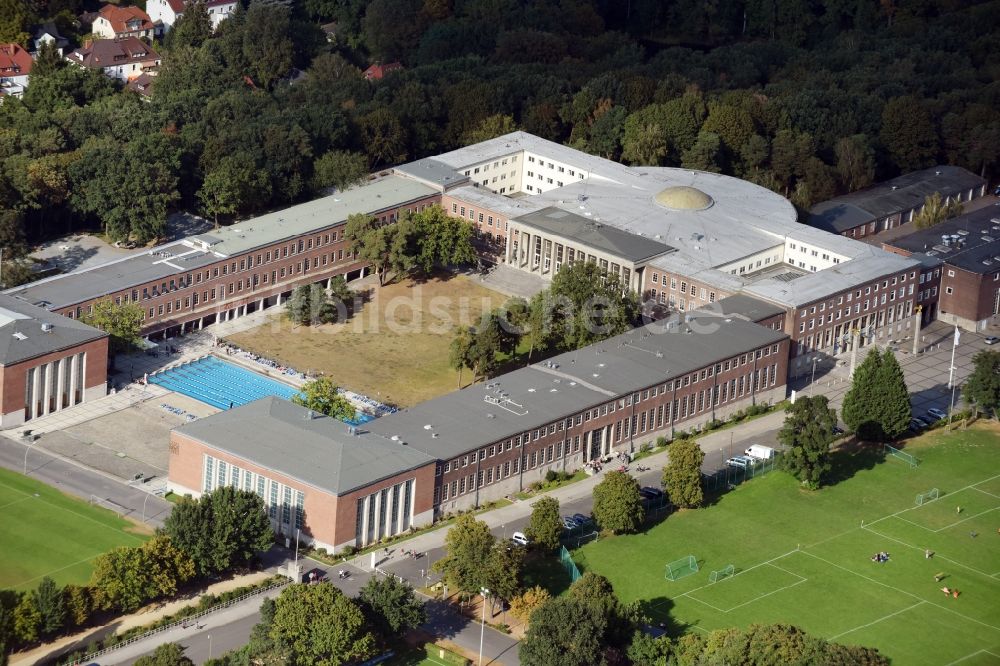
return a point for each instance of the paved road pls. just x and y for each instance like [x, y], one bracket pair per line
[83, 482]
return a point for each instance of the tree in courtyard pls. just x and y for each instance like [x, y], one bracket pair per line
[167, 654]
[588, 305]
[564, 632]
[390, 605]
[220, 530]
[807, 434]
[51, 607]
[323, 395]
[320, 625]
[935, 211]
[310, 305]
[983, 385]
[618, 504]
[545, 527]
[877, 406]
[462, 352]
[122, 323]
[524, 604]
[682, 473]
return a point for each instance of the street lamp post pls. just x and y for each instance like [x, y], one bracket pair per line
[482, 627]
[210, 646]
[812, 380]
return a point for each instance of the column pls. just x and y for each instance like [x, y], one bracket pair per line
[552, 256]
[506, 250]
[279, 299]
[47, 389]
[586, 446]
[524, 249]
[364, 521]
[260, 306]
[918, 320]
[608, 434]
[60, 382]
[36, 389]
[74, 373]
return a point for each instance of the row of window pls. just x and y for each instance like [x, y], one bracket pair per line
[543, 164]
[835, 335]
[473, 216]
[868, 290]
[867, 305]
[283, 502]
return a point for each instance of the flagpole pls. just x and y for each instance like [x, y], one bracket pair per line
[951, 370]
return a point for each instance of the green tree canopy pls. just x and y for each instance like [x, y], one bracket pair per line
[166, 654]
[340, 169]
[122, 323]
[877, 406]
[935, 211]
[221, 529]
[320, 625]
[127, 577]
[982, 388]
[618, 504]
[323, 395]
[587, 306]
[564, 632]
[807, 434]
[51, 607]
[545, 526]
[682, 473]
[391, 606]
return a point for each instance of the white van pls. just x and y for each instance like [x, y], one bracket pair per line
[760, 452]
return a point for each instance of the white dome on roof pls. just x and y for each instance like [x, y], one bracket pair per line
[682, 197]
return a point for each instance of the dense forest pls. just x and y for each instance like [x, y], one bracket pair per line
[807, 97]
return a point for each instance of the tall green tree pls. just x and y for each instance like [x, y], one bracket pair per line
[221, 192]
[321, 626]
[705, 153]
[340, 169]
[682, 473]
[490, 128]
[564, 632]
[982, 388]
[191, 29]
[27, 619]
[858, 406]
[323, 395]
[51, 607]
[121, 322]
[855, 162]
[469, 545]
[877, 406]
[935, 211]
[596, 591]
[221, 529]
[908, 133]
[894, 397]
[127, 577]
[545, 527]
[618, 504]
[587, 305]
[166, 654]
[391, 606]
[807, 434]
[310, 305]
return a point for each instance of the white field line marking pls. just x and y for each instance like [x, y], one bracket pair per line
[902, 591]
[49, 573]
[959, 522]
[738, 573]
[758, 597]
[884, 617]
[986, 492]
[17, 501]
[970, 656]
[971, 485]
[936, 555]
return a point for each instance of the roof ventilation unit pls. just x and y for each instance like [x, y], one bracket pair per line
[46, 327]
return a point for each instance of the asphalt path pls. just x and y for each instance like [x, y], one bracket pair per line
[83, 482]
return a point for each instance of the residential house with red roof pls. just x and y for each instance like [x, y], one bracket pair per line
[121, 59]
[15, 69]
[166, 12]
[114, 22]
[376, 71]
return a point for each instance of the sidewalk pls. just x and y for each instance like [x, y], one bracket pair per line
[146, 616]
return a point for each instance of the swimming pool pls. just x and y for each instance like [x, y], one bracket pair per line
[224, 385]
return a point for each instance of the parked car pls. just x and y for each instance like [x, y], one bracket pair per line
[991, 340]
[740, 461]
[520, 539]
[581, 519]
[644, 492]
[937, 414]
[654, 492]
[920, 422]
[569, 523]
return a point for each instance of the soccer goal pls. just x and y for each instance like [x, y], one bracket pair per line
[721, 574]
[107, 504]
[680, 568]
[923, 498]
[902, 455]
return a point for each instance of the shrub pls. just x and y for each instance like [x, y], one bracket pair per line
[551, 476]
[347, 551]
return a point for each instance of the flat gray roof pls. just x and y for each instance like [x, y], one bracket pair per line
[319, 451]
[566, 384]
[182, 256]
[973, 241]
[593, 234]
[433, 172]
[744, 305]
[22, 336]
[890, 197]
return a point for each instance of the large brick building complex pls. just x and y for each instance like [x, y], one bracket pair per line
[345, 487]
[47, 362]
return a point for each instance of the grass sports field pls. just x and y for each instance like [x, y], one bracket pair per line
[46, 533]
[804, 558]
[395, 349]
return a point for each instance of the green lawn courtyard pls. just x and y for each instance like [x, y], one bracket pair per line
[47, 533]
[804, 557]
